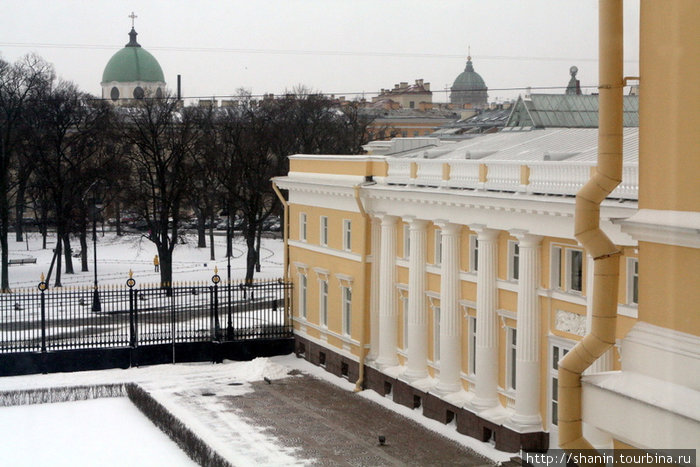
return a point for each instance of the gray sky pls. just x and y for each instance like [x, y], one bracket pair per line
[334, 46]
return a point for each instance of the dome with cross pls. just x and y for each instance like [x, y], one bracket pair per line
[132, 73]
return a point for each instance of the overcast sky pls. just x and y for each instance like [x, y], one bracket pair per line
[333, 46]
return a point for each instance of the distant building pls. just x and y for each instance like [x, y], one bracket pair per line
[574, 86]
[132, 73]
[390, 122]
[469, 90]
[414, 96]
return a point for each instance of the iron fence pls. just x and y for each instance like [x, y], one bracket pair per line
[45, 320]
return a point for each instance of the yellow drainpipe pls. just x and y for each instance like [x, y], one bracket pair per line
[285, 236]
[363, 281]
[606, 255]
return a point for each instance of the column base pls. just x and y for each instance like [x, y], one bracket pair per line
[411, 375]
[525, 423]
[442, 389]
[384, 362]
[480, 403]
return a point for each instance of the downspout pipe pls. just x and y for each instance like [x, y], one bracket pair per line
[285, 235]
[363, 280]
[606, 256]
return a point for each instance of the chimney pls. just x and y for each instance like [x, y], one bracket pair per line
[426, 86]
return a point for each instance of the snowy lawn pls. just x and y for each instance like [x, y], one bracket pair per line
[104, 432]
[116, 255]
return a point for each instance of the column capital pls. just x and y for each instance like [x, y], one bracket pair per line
[525, 238]
[387, 219]
[484, 233]
[447, 227]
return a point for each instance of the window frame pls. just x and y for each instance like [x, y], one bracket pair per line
[436, 334]
[471, 346]
[347, 234]
[323, 227]
[633, 281]
[346, 309]
[323, 302]
[303, 295]
[555, 267]
[404, 308]
[473, 253]
[406, 241]
[437, 260]
[511, 358]
[569, 268]
[303, 226]
[513, 260]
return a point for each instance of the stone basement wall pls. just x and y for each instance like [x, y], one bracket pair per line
[468, 423]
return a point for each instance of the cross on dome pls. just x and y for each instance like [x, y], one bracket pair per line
[133, 17]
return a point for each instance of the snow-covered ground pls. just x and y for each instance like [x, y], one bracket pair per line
[175, 387]
[116, 255]
[104, 432]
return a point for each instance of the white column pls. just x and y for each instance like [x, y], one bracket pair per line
[417, 365]
[387, 295]
[485, 388]
[374, 291]
[450, 322]
[598, 438]
[527, 351]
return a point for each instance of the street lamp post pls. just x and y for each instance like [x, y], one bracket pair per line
[229, 326]
[96, 206]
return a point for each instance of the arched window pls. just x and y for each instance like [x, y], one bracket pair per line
[159, 93]
[138, 92]
[114, 93]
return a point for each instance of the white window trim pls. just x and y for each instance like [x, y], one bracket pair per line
[403, 298]
[347, 235]
[513, 245]
[346, 310]
[555, 275]
[303, 294]
[406, 241]
[302, 226]
[631, 262]
[471, 345]
[434, 300]
[511, 367]
[323, 234]
[569, 270]
[473, 258]
[438, 247]
[323, 301]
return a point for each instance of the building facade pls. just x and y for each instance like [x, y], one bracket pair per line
[447, 275]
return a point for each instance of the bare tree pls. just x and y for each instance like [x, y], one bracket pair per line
[161, 136]
[18, 83]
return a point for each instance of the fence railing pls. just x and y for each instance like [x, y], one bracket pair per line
[46, 319]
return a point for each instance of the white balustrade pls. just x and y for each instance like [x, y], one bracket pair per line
[429, 172]
[503, 176]
[399, 170]
[464, 174]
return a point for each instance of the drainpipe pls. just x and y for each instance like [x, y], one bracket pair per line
[363, 281]
[606, 256]
[285, 235]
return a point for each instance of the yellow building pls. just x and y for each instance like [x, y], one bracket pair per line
[447, 274]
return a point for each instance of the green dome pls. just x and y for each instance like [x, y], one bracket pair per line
[469, 80]
[132, 63]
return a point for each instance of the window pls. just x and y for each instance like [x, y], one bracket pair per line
[415, 133]
[574, 267]
[632, 281]
[346, 294]
[557, 352]
[436, 334]
[511, 339]
[412, 104]
[406, 241]
[404, 133]
[471, 343]
[302, 226]
[347, 235]
[114, 93]
[324, 231]
[555, 276]
[404, 309]
[473, 253]
[513, 260]
[323, 302]
[438, 247]
[302, 295]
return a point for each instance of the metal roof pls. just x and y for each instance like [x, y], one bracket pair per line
[555, 144]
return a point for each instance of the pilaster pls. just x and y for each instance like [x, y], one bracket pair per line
[417, 365]
[388, 332]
